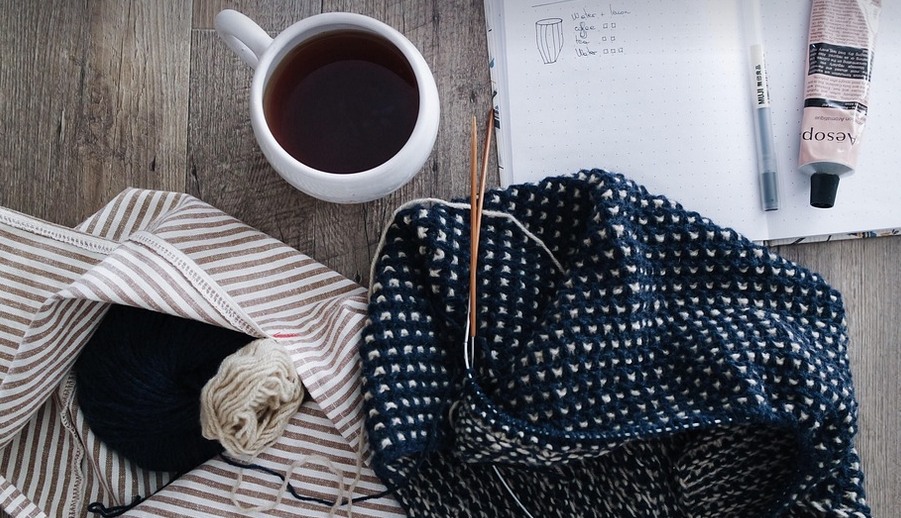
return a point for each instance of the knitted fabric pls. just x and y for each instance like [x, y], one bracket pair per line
[632, 359]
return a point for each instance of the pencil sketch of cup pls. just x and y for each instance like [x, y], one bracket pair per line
[549, 36]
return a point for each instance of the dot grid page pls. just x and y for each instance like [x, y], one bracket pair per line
[660, 91]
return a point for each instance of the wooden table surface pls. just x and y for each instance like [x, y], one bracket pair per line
[100, 95]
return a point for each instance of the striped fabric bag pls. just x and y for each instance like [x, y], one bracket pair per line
[174, 254]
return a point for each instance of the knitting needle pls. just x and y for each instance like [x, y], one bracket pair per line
[473, 225]
[476, 204]
[489, 132]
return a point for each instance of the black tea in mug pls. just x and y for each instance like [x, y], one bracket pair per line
[344, 101]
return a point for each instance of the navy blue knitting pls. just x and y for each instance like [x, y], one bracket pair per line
[632, 359]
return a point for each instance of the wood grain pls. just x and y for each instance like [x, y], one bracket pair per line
[98, 103]
[41, 81]
[96, 95]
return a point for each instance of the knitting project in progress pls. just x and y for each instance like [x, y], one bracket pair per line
[632, 358]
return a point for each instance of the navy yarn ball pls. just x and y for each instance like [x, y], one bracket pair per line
[138, 383]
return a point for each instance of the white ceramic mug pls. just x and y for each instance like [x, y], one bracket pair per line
[254, 46]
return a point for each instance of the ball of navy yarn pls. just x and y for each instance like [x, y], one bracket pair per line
[138, 383]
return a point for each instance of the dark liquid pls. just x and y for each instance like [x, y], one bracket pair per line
[342, 102]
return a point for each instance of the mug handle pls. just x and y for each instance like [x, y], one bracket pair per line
[242, 35]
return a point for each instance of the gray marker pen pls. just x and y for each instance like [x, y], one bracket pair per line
[760, 93]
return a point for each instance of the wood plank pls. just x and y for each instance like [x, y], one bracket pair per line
[867, 273]
[271, 15]
[99, 103]
[133, 119]
[40, 78]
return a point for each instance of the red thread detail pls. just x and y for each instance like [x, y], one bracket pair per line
[285, 335]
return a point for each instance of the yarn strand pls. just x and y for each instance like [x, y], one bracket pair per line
[290, 489]
[343, 497]
[115, 510]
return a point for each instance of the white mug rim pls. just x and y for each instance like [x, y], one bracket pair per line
[317, 24]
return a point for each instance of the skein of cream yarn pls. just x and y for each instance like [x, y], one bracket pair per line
[248, 403]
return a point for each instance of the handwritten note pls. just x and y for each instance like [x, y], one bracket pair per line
[595, 33]
[590, 33]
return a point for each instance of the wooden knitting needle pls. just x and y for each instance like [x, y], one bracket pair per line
[476, 204]
[489, 133]
[473, 222]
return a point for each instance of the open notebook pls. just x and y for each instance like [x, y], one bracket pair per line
[659, 91]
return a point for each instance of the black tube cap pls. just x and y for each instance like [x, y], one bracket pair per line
[823, 187]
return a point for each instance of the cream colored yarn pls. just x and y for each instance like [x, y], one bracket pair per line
[247, 405]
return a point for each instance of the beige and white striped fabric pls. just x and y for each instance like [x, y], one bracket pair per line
[171, 253]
